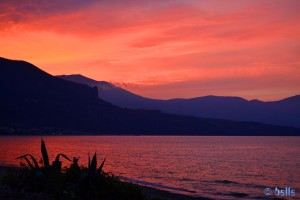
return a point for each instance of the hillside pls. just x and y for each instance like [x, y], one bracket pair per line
[31, 99]
[285, 112]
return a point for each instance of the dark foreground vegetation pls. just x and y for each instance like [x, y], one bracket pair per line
[51, 181]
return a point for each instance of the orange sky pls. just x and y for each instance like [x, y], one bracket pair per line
[162, 49]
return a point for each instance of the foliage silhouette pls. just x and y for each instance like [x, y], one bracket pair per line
[33, 181]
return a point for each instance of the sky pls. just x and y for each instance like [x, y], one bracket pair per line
[159, 48]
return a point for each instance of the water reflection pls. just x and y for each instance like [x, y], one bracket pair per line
[222, 167]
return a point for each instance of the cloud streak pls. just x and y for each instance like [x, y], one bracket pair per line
[207, 47]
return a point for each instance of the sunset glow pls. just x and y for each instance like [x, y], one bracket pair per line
[162, 49]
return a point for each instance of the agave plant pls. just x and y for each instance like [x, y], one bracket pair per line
[75, 183]
[92, 165]
[56, 165]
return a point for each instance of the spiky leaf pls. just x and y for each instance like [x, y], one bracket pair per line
[26, 159]
[101, 166]
[63, 155]
[93, 166]
[34, 161]
[57, 163]
[89, 164]
[36, 165]
[44, 153]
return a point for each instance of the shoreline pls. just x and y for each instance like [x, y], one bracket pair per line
[148, 191]
[166, 195]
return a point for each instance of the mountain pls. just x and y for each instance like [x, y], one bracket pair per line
[115, 95]
[34, 102]
[285, 112]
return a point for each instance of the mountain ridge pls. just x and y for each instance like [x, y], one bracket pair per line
[35, 102]
[284, 112]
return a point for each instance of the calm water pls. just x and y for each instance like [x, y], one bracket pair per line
[218, 167]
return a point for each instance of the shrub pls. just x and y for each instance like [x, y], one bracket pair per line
[50, 181]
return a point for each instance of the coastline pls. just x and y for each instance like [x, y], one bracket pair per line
[148, 191]
[166, 195]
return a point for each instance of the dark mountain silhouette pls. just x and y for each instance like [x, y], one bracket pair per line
[284, 112]
[116, 95]
[31, 99]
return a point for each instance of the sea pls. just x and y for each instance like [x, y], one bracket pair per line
[217, 167]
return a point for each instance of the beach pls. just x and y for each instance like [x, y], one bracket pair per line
[148, 191]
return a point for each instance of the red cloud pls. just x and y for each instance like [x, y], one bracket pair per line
[197, 44]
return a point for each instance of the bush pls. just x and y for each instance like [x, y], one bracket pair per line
[50, 181]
